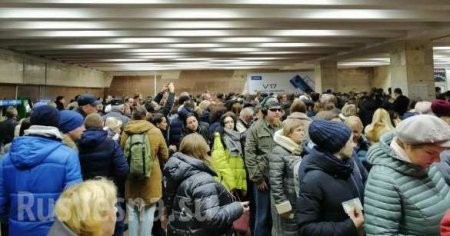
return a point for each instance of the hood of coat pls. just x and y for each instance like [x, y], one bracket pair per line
[287, 143]
[138, 126]
[329, 164]
[381, 154]
[92, 137]
[29, 151]
[180, 166]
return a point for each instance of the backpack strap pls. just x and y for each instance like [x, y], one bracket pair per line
[143, 153]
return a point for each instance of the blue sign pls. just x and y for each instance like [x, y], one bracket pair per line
[10, 102]
[256, 77]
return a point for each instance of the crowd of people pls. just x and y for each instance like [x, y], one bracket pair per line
[371, 163]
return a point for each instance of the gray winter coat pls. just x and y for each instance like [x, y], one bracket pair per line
[401, 198]
[281, 178]
[60, 229]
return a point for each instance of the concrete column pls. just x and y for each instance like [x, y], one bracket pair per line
[325, 76]
[412, 69]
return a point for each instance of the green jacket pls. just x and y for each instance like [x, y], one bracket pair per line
[258, 146]
[401, 198]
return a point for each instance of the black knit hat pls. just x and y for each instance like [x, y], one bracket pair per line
[329, 136]
[45, 115]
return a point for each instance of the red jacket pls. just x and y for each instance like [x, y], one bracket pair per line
[445, 224]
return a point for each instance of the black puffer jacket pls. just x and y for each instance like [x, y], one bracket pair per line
[101, 156]
[197, 204]
[325, 184]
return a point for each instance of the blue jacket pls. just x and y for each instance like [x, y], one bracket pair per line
[176, 126]
[101, 156]
[32, 176]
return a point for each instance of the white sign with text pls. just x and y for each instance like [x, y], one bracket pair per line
[280, 82]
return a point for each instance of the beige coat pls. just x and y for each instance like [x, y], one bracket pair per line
[149, 190]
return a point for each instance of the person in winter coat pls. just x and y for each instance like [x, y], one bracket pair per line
[197, 204]
[36, 170]
[8, 126]
[445, 224]
[361, 143]
[282, 160]
[227, 156]
[86, 209]
[331, 178]
[102, 156]
[404, 195]
[258, 146]
[176, 122]
[144, 194]
[191, 125]
[99, 154]
[381, 123]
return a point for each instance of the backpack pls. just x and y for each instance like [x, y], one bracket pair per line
[137, 152]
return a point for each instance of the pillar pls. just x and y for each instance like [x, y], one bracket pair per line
[325, 76]
[412, 69]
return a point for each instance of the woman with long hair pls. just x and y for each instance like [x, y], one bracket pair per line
[381, 123]
[196, 203]
[227, 155]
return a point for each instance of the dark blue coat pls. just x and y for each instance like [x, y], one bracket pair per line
[198, 205]
[176, 126]
[33, 174]
[101, 156]
[325, 184]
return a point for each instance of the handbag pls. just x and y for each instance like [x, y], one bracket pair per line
[241, 225]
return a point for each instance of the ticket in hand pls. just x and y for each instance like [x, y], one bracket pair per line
[351, 205]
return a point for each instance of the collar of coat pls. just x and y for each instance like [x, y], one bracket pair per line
[382, 154]
[287, 143]
[45, 131]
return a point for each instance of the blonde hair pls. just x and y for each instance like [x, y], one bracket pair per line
[354, 121]
[291, 124]
[381, 123]
[194, 145]
[349, 110]
[112, 123]
[84, 207]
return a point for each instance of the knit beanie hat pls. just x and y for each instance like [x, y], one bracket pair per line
[45, 115]
[69, 120]
[329, 136]
[440, 107]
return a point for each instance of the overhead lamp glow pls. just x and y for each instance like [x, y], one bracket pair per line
[296, 45]
[195, 45]
[95, 46]
[441, 48]
[146, 40]
[199, 25]
[122, 60]
[80, 33]
[247, 40]
[274, 52]
[233, 50]
[152, 50]
[308, 33]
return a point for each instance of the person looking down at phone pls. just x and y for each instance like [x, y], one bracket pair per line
[331, 183]
[406, 194]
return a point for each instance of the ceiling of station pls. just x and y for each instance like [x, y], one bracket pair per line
[147, 35]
